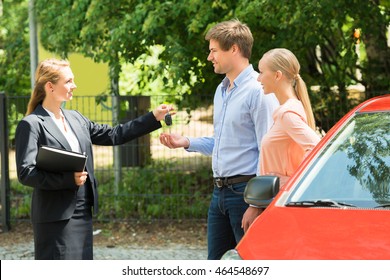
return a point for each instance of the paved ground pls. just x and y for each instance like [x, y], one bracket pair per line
[24, 251]
[121, 242]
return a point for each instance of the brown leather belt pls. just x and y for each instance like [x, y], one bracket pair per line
[221, 182]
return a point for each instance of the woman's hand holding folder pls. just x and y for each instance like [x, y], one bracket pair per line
[80, 178]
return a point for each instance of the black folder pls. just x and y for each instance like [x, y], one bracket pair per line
[60, 160]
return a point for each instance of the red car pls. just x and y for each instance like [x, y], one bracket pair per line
[337, 205]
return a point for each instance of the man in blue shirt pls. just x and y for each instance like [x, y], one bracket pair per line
[242, 116]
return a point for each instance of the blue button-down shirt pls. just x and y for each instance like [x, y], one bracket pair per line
[242, 116]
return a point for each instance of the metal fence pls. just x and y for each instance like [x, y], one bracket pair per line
[139, 180]
[142, 179]
[4, 179]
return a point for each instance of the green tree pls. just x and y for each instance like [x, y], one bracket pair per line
[305, 26]
[14, 48]
[14, 57]
[121, 31]
[114, 30]
[320, 33]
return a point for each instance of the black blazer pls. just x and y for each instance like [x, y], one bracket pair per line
[54, 195]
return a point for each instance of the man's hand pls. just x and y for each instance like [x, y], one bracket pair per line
[249, 216]
[174, 140]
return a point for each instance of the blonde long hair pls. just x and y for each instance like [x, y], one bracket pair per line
[284, 60]
[48, 70]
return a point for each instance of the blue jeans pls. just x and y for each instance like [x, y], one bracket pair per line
[225, 214]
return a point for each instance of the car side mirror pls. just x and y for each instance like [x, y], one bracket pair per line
[261, 190]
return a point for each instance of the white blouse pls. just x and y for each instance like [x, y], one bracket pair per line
[66, 130]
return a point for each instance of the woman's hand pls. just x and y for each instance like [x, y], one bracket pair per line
[160, 112]
[80, 178]
[249, 216]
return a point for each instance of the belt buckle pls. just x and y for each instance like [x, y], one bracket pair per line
[219, 182]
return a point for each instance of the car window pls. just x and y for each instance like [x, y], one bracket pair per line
[354, 167]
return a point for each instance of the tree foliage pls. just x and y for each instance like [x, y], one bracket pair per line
[320, 33]
[14, 48]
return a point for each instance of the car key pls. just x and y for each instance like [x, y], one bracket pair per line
[168, 118]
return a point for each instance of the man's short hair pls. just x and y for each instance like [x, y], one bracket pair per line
[228, 33]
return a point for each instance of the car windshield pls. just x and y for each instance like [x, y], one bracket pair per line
[353, 168]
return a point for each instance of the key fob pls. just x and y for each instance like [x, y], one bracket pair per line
[168, 119]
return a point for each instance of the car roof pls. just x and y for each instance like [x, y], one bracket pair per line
[380, 103]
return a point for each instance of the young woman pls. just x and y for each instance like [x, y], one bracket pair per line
[62, 202]
[292, 135]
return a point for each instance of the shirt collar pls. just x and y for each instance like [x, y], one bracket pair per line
[240, 78]
[51, 114]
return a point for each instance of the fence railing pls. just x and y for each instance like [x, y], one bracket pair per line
[139, 180]
[142, 179]
[4, 165]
